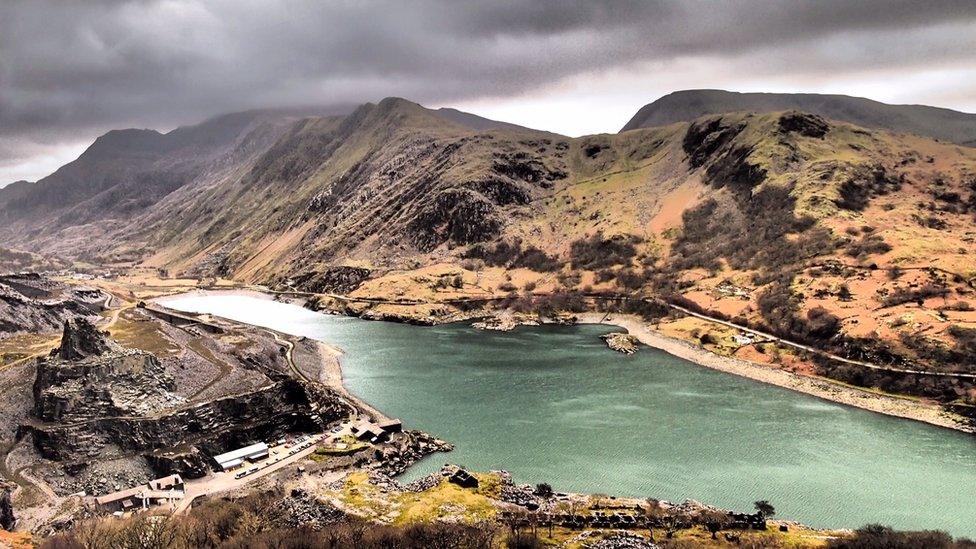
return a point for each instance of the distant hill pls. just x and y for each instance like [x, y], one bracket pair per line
[13, 190]
[475, 122]
[684, 106]
[126, 171]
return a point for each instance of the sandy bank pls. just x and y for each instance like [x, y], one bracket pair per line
[818, 387]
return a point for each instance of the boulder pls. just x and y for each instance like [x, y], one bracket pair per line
[622, 343]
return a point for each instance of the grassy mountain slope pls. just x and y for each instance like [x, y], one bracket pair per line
[684, 106]
[853, 240]
[388, 182]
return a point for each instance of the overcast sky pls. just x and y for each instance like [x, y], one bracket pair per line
[70, 71]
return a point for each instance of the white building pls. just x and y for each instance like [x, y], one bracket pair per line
[236, 458]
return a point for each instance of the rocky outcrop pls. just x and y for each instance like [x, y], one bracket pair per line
[808, 125]
[406, 449]
[94, 398]
[457, 216]
[80, 339]
[30, 303]
[218, 425]
[522, 495]
[188, 464]
[505, 323]
[705, 138]
[303, 510]
[90, 377]
[339, 279]
[622, 343]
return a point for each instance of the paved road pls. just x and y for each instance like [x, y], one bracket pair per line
[226, 481]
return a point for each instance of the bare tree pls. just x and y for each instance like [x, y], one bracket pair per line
[714, 521]
[653, 512]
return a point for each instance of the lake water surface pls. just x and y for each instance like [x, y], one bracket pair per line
[554, 404]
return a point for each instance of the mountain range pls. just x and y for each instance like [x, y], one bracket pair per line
[832, 220]
[938, 123]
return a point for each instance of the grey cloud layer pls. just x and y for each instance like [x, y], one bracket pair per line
[67, 68]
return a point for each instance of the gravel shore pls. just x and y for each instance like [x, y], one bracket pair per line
[818, 387]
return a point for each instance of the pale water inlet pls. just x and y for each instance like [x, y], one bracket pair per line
[553, 404]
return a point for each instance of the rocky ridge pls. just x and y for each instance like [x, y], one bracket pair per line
[95, 398]
[31, 303]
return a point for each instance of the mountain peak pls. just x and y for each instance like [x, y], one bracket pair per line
[415, 114]
[686, 105]
[129, 140]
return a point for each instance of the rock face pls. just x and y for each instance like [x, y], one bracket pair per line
[217, 425]
[340, 279]
[80, 339]
[30, 303]
[7, 519]
[94, 398]
[90, 377]
[809, 125]
[188, 464]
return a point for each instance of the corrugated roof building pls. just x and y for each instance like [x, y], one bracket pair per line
[235, 458]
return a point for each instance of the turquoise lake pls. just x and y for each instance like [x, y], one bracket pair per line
[554, 404]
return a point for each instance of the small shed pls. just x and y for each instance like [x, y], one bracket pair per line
[370, 432]
[172, 482]
[123, 500]
[463, 479]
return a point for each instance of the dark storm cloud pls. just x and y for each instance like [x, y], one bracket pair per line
[71, 69]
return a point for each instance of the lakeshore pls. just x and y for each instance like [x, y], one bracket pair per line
[650, 423]
[822, 388]
[905, 408]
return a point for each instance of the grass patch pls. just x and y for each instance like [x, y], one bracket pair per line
[443, 501]
[352, 445]
[446, 501]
